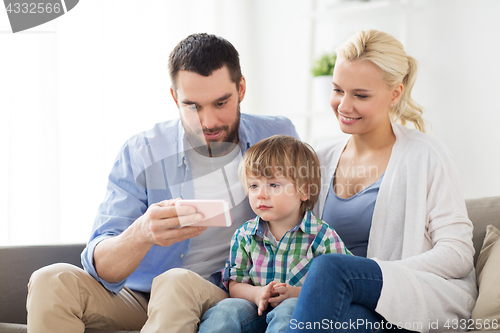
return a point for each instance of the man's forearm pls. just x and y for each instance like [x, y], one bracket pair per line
[117, 257]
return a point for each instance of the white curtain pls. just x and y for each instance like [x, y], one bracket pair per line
[28, 138]
[73, 90]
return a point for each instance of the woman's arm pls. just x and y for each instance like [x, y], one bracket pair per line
[449, 230]
[451, 257]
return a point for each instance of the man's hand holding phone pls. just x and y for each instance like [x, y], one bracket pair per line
[117, 257]
[160, 223]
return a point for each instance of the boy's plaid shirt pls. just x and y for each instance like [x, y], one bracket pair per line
[255, 260]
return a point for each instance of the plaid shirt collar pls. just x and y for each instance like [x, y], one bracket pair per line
[308, 225]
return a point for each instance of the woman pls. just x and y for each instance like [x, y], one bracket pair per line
[393, 195]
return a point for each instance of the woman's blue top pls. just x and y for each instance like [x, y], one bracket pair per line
[352, 218]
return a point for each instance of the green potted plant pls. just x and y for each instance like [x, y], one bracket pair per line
[322, 70]
[324, 65]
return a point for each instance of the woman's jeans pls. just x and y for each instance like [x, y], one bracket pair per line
[340, 293]
[234, 315]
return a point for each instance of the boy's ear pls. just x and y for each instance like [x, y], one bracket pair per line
[305, 192]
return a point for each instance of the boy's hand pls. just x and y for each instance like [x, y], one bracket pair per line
[265, 294]
[283, 291]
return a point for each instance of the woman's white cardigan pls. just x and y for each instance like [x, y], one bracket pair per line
[420, 236]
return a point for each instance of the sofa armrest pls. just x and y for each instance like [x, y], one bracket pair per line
[17, 263]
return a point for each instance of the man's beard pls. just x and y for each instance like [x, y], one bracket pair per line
[213, 148]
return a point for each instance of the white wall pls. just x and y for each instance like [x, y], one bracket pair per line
[456, 45]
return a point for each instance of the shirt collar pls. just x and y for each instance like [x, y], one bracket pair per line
[181, 154]
[308, 225]
[242, 136]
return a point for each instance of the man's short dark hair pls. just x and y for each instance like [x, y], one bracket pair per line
[203, 53]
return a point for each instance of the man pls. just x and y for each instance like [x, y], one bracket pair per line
[143, 272]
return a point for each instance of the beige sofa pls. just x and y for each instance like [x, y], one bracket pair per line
[17, 264]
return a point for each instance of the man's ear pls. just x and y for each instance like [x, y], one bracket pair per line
[174, 96]
[242, 88]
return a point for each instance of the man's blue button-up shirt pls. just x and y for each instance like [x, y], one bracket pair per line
[152, 167]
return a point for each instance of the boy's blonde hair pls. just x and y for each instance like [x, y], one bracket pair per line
[283, 155]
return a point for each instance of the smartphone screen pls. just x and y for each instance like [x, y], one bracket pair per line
[216, 213]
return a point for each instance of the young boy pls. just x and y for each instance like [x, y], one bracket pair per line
[270, 255]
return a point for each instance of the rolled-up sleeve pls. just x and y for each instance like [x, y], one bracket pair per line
[88, 264]
[238, 266]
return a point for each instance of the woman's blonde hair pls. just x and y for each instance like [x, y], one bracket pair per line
[387, 53]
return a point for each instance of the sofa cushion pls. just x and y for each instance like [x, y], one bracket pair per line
[487, 308]
[13, 328]
[483, 212]
[21, 328]
[17, 263]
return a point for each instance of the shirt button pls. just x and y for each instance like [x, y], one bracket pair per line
[182, 255]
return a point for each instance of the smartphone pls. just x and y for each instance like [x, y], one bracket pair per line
[216, 213]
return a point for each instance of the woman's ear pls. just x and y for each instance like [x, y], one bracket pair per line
[397, 92]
